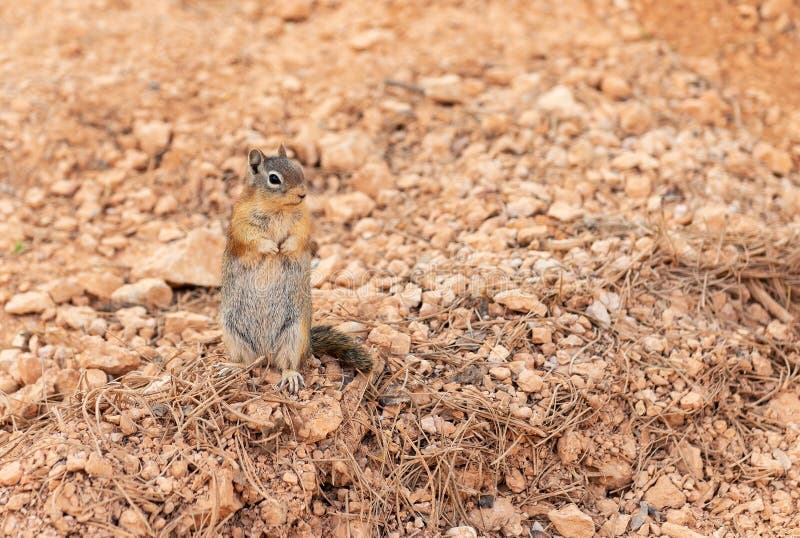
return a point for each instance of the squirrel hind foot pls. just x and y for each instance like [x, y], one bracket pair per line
[292, 381]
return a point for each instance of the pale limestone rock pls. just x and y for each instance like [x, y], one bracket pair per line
[267, 417]
[778, 161]
[11, 474]
[664, 494]
[563, 211]
[615, 526]
[273, 512]
[347, 207]
[12, 235]
[147, 291]
[221, 500]
[446, 89]
[690, 459]
[317, 419]
[99, 284]
[437, 425]
[8, 384]
[26, 369]
[711, 216]
[305, 144]
[500, 373]
[410, 296]
[693, 401]
[635, 119]
[351, 528]
[62, 290]
[515, 480]
[93, 378]
[615, 87]
[153, 136]
[169, 233]
[570, 522]
[615, 473]
[295, 10]
[180, 320]
[499, 353]
[772, 9]
[779, 331]
[775, 465]
[786, 407]
[323, 270]
[558, 99]
[654, 344]
[133, 522]
[195, 260]
[524, 206]
[369, 38]
[133, 318]
[674, 530]
[529, 381]
[570, 446]
[8, 356]
[761, 365]
[386, 337]
[165, 204]
[17, 501]
[638, 186]
[501, 517]
[461, 532]
[496, 124]
[599, 311]
[35, 197]
[372, 178]
[32, 302]
[542, 335]
[65, 187]
[25, 402]
[97, 465]
[521, 301]
[346, 151]
[111, 358]
[67, 380]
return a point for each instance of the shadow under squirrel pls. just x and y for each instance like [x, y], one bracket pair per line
[266, 276]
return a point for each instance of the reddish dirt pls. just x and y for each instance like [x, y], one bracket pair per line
[749, 47]
[566, 231]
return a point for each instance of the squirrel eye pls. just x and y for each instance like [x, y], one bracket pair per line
[274, 178]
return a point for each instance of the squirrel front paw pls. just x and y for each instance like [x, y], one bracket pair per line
[267, 246]
[290, 245]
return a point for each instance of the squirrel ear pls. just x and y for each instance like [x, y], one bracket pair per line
[282, 151]
[254, 158]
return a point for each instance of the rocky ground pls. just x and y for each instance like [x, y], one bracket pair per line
[566, 230]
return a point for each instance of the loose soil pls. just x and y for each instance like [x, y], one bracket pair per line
[567, 232]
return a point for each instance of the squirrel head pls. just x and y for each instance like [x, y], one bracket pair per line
[277, 180]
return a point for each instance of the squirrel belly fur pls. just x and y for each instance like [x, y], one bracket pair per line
[266, 276]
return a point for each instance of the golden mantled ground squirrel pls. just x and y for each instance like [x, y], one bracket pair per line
[266, 285]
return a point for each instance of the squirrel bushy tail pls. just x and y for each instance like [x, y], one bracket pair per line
[325, 340]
